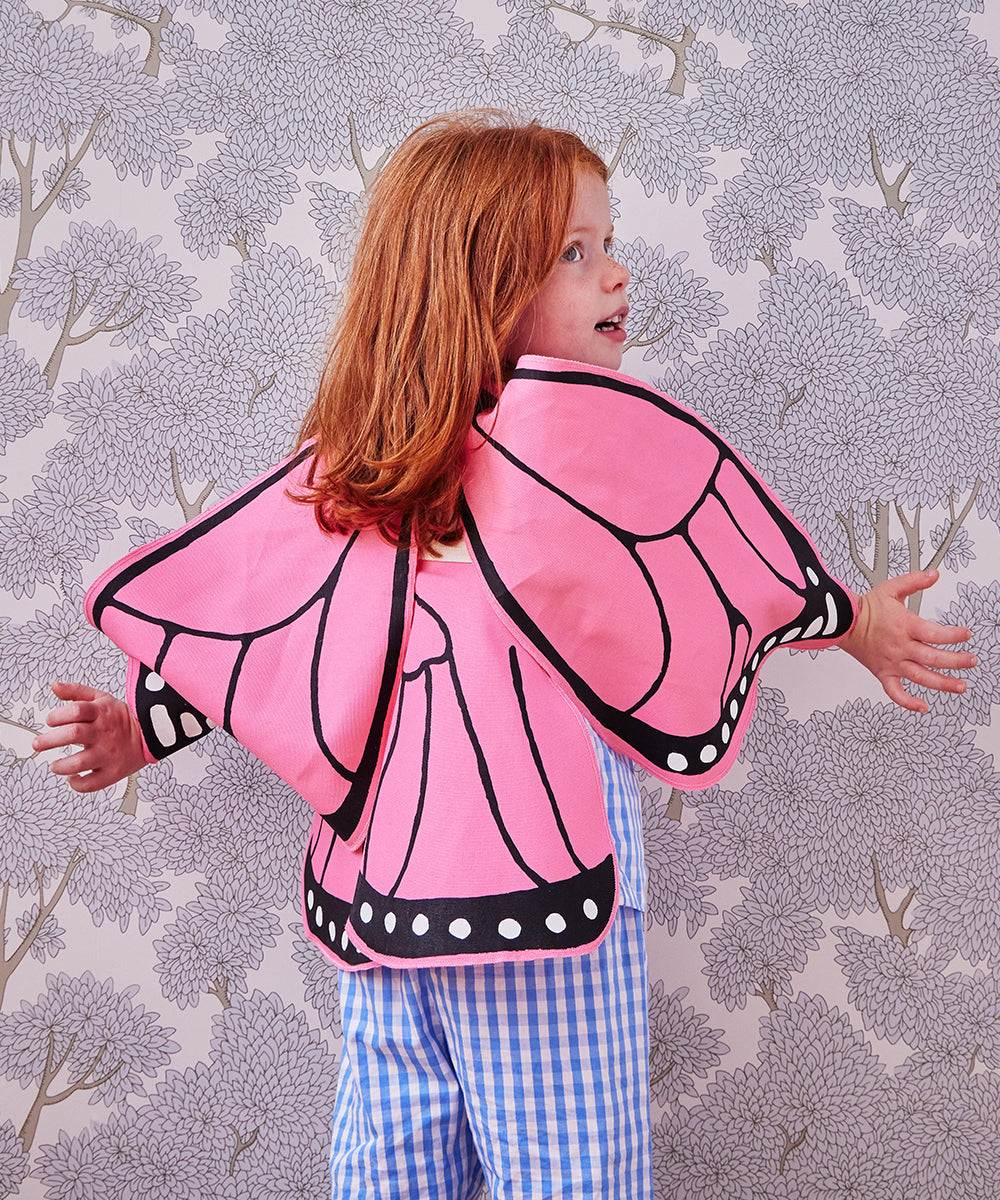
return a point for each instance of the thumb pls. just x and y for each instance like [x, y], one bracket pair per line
[906, 585]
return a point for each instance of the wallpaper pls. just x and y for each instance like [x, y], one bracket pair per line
[806, 197]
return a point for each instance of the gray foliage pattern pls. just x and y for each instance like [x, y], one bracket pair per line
[808, 212]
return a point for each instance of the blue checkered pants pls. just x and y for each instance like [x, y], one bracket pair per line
[531, 1076]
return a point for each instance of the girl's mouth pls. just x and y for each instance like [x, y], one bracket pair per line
[614, 325]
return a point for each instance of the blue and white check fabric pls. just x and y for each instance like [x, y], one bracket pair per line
[531, 1076]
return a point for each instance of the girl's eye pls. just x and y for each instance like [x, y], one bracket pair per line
[572, 253]
[609, 247]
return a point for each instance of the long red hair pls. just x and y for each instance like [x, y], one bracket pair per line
[463, 225]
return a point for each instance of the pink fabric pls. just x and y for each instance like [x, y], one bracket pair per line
[462, 810]
[253, 612]
[477, 744]
[645, 557]
[628, 566]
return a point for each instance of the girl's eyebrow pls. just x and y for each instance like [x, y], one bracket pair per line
[578, 229]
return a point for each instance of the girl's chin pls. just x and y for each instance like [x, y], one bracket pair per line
[611, 358]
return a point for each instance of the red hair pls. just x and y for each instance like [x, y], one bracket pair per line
[463, 225]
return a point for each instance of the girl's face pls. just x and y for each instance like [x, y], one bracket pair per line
[579, 312]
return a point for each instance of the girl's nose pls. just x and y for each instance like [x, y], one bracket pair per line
[617, 276]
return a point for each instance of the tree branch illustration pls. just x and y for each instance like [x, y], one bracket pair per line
[790, 1145]
[67, 338]
[893, 916]
[190, 508]
[130, 797]
[880, 555]
[636, 338]
[790, 402]
[368, 174]
[649, 334]
[239, 244]
[44, 1100]
[30, 217]
[17, 724]
[258, 390]
[765, 255]
[677, 46]
[220, 990]
[45, 908]
[765, 991]
[955, 524]
[241, 1145]
[847, 520]
[890, 191]
[628, 136]
[877, 571]
[911, 531]
[153, 28]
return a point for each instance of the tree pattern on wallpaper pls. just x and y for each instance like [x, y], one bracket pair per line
[155, 381]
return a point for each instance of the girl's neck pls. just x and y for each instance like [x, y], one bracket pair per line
[459, 552]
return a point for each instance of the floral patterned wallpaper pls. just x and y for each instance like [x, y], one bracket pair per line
[806, 198]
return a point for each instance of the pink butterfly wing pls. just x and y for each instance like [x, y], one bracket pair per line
[709, 573]
[329, 878]
[254, 611]
[483, 840]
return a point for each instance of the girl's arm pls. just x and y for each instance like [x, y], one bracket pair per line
[103, 726]
[895, 644]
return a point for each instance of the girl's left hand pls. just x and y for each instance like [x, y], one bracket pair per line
[105, 729]
[896, 644]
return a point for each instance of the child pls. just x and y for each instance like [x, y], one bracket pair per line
[485, 584]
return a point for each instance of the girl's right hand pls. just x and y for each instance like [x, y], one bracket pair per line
[896, 644]
[112, 745]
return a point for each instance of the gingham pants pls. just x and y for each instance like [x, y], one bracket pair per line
[531, 1075]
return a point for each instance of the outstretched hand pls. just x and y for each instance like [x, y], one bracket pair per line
[105, 729]
[896, 644]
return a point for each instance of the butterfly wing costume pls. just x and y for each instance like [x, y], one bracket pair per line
[630, 570]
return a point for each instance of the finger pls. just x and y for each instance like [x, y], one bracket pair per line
[940, 635]
[75, 713]
[73, 764]
[893, 688]
[73, 691]
[92, 782]
[947, 660]
[913, 581]
[925, 678]
[53, 739]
